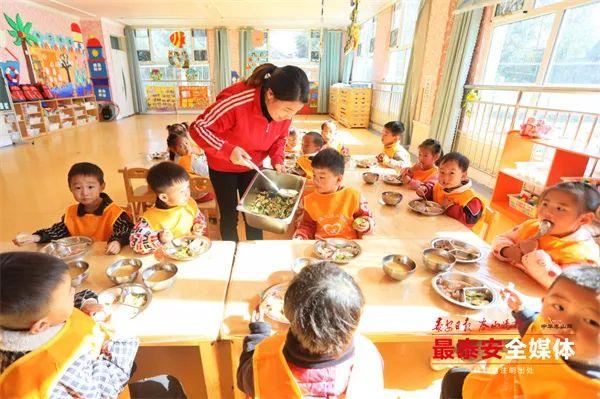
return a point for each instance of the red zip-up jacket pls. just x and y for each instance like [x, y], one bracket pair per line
[236, 119]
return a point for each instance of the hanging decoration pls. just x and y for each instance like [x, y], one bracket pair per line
[353, 31]
[177, 39]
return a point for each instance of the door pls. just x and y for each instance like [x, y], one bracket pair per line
[123, 95]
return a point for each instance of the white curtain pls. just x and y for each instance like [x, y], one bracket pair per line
[223, 68]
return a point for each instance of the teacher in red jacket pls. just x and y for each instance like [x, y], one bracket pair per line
[249, 120]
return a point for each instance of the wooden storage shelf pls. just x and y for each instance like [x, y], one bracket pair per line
[567, 161]
[352, 106]
[65, 106]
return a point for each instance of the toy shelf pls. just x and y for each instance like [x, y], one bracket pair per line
[41, 117]
[566, 161]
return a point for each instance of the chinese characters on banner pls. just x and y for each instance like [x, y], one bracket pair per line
[193, 97]
[161, 97]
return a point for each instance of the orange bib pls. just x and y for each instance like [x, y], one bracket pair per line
[563, 251]
[306, 165]
[461, 198]
[273, 378]
[96, 227]
[178, 220]
[333, 213]
[34, 375]
[186, 162]
[424, 175]
[548, 381]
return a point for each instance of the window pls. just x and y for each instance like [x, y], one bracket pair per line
[362, 66]
[404, 19]
[142, 44]
[517, 49]
[301, 48]
[576, 57]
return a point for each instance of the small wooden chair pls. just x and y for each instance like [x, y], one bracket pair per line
[140, 197]
[488, 217]
[200, 185]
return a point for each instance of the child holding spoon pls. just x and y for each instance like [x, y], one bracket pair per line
[557, 238]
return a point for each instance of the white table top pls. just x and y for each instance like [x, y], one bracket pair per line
[393, 308]
[190, 311]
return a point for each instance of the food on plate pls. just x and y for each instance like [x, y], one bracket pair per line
[478, 297]
[393, 179]
[272, 303]
[453, 288]
[366, 163]
[184, 248]
[272, 204]
[426, 207]
[135, 300]
[360, 223]
[337, 250]
[462, 251]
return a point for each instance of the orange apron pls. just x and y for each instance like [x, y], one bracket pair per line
[35, 375]
[178, 220]
[333, 213]
[548, 381]
[306, 165]
[96, 227]
[424, 175]
[273, 378]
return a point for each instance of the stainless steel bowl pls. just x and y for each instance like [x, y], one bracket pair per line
[438, 260]
[124, 271]
[398, 267]
[160, 276]
[370, 177]
[79, 271]
[391, 197]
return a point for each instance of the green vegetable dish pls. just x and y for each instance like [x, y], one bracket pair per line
[271, 204]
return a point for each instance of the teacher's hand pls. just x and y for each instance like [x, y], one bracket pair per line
[280, 168]
[240, 157]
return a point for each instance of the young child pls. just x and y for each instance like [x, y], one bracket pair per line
[332, 210]
[312, 142]
[454, 191]
[49, 349]
[291, 143]
[95, 215]
[393, 155]
[320, 356]
[425, 170]
[573, 301]
[181, 152]
[569, 207]
[331, 139]
[174, 214]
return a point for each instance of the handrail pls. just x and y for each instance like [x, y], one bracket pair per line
[535, 89]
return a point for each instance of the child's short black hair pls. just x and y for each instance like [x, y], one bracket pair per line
[330, 123]
[462, 161]
[316, 138]
[395, 127]
[585, 276]
[85, 169]
[165, 174]
[585, 194]
[330, 159]
[27, 281]
[432, 145]
[293, 131]
[178, 128]
[323, 304]
[172, 142]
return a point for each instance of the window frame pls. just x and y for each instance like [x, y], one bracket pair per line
[190, 38]
[399, 47]
[366, 53]
[529, 12]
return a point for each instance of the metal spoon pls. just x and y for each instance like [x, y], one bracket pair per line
[545, 226]
[289, 193]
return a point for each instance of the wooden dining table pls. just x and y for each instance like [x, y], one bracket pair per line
[189, 313]
[395, 311]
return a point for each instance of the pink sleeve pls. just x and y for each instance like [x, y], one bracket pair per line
[306, 229]
[540, 266]
[144, 239]
[414, 184]
[207, 130]
[364, 212]
[201, 220]
[504, 240]
[429, 190]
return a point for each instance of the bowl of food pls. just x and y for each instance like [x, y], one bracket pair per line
[159, 276]
[126, 300]
[366, 163]
[424, 207]
[370, 177]
[271, 303]
[394, 180]
[187, 247]
[398, 267]
[464, 290]
[79, 271]
[68, 248]
[124, 271]
[337, 250]
[301, 263]
[392, 198]
[462, 250]
[438, 260]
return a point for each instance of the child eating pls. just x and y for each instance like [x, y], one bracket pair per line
[573, 300]
[291, 143]
[321, 355]
[454, 191]
[564, 210]
[312, 142]
[332, 210]
[393, 155]
[331, 139]
[95, 215]
[425, 170]
[174, 214]
[49, 349]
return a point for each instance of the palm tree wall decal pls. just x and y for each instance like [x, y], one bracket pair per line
[22, 34]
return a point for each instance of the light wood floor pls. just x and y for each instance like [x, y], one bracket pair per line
[34, 194]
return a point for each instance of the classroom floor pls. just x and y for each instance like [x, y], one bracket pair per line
[34, 194]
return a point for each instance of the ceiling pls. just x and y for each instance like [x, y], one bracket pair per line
[210, 13]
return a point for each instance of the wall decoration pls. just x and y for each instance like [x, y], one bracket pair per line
[11, 72]
[258, 38]
[191, 74]
[177, 39]
[193, 97]
[22, 34]
[76, 33]
[161, 97]
[65, 63]
[313, 99]
[156, 75]
[179, 58]
[98, 71]
[256, 58]
[353, 31]
[235, 77]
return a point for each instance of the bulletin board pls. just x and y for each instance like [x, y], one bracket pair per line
[193, 97]
[161, 97]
